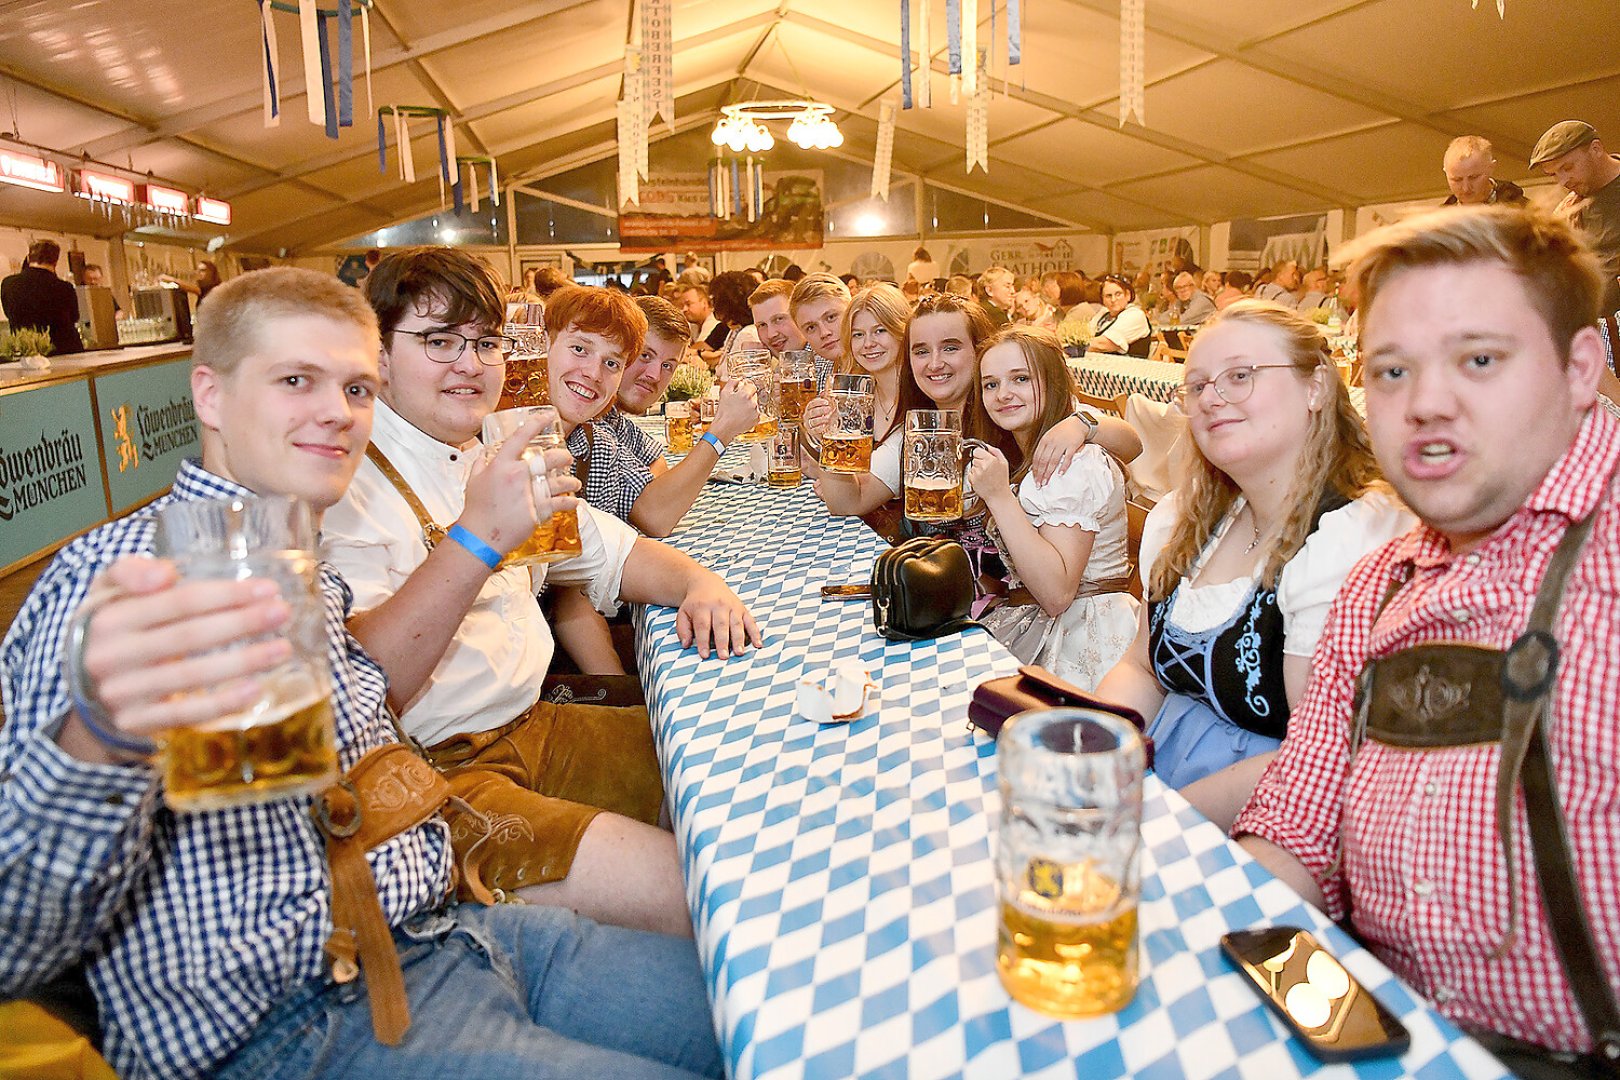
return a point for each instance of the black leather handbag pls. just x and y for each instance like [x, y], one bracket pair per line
[922, 589]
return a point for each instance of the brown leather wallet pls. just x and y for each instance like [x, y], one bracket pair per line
[995, 701]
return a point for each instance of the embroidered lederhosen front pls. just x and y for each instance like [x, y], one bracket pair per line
[1431, 697]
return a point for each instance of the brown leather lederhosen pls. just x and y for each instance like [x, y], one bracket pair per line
[1437, 696]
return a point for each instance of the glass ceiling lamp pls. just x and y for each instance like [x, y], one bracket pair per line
[741, 127]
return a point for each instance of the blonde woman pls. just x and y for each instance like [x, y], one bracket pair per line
[873, 336]
[1279, 497]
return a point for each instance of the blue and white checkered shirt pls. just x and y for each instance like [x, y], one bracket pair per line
[620, 457]
[191, 925]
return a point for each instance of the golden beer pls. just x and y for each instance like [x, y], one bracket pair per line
[1066, 957]
[228, 763]
[760, 432]
[795, 393]
[844, 452]
[784, 476]
[525, 383]
[678, 432]
[553, 540]
[931, 499]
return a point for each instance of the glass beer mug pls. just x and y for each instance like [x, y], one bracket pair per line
[932, 469]
[796, 384]
[556, 538]
[284, 744]
[1067, 860]
[678, 427]
[847, 446]
[754, 366]
[784, 468]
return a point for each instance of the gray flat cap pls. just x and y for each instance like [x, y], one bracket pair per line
[1560, 139]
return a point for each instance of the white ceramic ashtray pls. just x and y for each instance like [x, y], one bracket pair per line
[844, 694]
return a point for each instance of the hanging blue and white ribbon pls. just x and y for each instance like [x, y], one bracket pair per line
[978, 123]
[953, 36]
[1015, 32]
[658, 59]
[1132, 61]
[272, 66]
[629, 189]
[382, 145]
[905, 53]
[883, 155]
[345, 48]
[365, 42]
[310, 35]
[972, 64]
[328, 92]
[925, 66]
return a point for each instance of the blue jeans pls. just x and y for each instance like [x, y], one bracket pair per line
[505, 992]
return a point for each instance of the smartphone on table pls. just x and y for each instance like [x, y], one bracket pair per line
[1321, 1002]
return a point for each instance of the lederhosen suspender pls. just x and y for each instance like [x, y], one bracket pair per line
[1446, 695]
[432, 532]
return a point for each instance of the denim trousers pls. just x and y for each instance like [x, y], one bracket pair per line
[503, 992]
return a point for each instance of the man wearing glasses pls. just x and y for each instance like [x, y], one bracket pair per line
[464, 642]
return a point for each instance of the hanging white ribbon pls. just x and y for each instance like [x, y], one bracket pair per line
[494, 185]
[629, 189]
[971, 66]
[1501, 8]
[658, 58]
[978, 123]
[402, 138]
[314, 76]
[925, 65]
[365, 42]
[471, 184]
[883, 156]
[271, 62]
[1132, 61]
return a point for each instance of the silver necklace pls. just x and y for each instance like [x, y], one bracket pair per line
[1254, 523]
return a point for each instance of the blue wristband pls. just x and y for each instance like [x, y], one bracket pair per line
[714, 440]
[481, 551]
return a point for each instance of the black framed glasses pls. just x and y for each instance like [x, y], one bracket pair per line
[1234, 385]
[446, 346]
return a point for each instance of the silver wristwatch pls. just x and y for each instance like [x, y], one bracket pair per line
[1085, 417]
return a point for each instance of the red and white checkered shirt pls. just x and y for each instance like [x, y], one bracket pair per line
[1422, 876]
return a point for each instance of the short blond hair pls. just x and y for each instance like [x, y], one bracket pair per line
[812, 288]
[1464, 146]
[238, 316]
[770, 291]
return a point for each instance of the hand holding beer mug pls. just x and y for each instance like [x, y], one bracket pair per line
[282, 743]
[557, 536]
[1067, 860]
[932, 467]
[753, 366]
[846, 447]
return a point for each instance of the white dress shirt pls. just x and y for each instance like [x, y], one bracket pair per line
[493, 668]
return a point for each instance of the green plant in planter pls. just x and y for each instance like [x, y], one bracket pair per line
[691, 382]
[18, 343]
[1321, 316]
[1074, 332]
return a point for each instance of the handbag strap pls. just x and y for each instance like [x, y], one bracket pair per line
[432, 532]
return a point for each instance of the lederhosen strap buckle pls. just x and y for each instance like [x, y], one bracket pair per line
[1448, 695]
[433, 533]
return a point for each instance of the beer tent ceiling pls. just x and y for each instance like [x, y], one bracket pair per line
[1254, 108]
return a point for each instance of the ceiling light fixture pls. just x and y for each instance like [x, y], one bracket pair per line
[741, 126]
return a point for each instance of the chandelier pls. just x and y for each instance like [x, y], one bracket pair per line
[811, 128]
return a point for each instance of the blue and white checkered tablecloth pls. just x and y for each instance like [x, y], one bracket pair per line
[841, 880]
[1111, 376]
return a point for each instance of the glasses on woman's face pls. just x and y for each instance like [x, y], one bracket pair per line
[446, 346]
[1234, 385]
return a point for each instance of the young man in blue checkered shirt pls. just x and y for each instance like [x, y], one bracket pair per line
[202, 933]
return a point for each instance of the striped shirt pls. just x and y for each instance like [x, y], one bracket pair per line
[191, 925]
[1422, 876]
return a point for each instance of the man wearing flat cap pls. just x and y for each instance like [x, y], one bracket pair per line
[1571, 153]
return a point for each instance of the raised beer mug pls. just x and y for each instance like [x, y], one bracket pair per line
[796, 383]
[932, 465]
[284, 744]
[678, 427]
[754, 366]
[847, 445]
[1067, 860]
[556, 538]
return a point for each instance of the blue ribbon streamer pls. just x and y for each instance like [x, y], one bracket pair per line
[736, 189]
[1015, 32]
[345, 89]
[326, 76]
[905, 53]
[444, 159]
[382, 146]
[953, 34]
[269, 63]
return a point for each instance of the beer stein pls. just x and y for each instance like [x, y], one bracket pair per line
[1067, 860]
[556, 538]
[847, 446]
[284, 744]
[706, 411]
[932, 465]
[678, 427]
[796, 383]
[754, 366]
[784, 468]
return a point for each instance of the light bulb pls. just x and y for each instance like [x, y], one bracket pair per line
[737, 141]
[718, 135]
[837, 136]
[766, 139]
